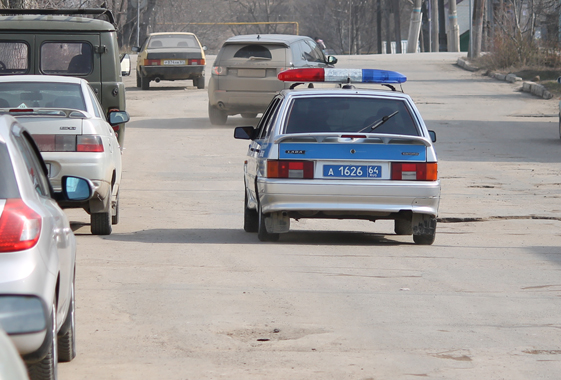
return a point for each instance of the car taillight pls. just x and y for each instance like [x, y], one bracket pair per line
[422, 171]
[151, 62]
[219, 70]
[20, 226]
[56, 143]
[196, 61]
[87, 143]
[290, 169]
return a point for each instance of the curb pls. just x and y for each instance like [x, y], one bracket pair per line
[530, 87]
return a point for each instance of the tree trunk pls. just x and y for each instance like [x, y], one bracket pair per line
[478, 10]
[434, 25]
[379, 25]
[397, 26]
[414, 27]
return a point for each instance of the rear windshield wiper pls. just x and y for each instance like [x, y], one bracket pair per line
[253, 58]
[377, 123]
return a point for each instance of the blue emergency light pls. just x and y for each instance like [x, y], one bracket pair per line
[342, 76]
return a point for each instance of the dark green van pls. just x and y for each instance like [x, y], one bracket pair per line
[64, 42]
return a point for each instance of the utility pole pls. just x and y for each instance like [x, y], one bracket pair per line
[478, 10]
[397, 26]
[379, 25]
[454, 32]
[387, 14]
[415, 27]
[434, 25]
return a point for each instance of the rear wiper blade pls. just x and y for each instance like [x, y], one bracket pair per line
[252, 58]
[377, 123]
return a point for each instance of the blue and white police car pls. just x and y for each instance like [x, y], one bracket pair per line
[341, 153]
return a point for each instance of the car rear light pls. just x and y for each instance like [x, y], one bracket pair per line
[20, 226]
[422, 171]
[290, 169]
[87, 143]
[219, 70]
[151, 62]
[199, 61]
[56, 143]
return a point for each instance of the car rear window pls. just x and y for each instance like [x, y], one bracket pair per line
[257, 51]
[8, 184]
[14, 58]
[41, 94]
[172, 40]
[349, 114]
[66, 58]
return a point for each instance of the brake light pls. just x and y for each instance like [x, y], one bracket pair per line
[219, 70]
[89, 144]
[290, 169]
[20, 226]
[56, 143]
[151, 62]
[422, 171]
[342, 76]
[199, 61]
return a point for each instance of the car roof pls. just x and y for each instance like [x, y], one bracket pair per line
[41, 78]
[47, 23]
[281, 39]
[168, 33]
[307, 92]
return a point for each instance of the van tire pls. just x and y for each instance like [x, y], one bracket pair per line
[216, 116]
[199, 82]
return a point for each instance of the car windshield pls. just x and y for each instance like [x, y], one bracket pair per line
[350, 114]
[8, 185]
[172, 40]
[41, 94]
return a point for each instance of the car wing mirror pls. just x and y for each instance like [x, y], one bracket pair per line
[432, 135]
[126, 65]
[204, 47]
[74, 189]
[118, 117]
[332, 60]
[244, 133]
[135, 49]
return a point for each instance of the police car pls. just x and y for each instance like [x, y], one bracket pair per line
[341, 153]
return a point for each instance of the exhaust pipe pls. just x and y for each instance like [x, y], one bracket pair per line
[157, 80]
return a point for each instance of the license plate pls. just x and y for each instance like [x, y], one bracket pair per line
[174, 62]
[252, 73]
[352, 171]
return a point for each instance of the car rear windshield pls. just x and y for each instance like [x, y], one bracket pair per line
[172, 40]
[8, 184]
[237, 52]
[41, 94]
[350, 114]
[66, 58]
[14, 58]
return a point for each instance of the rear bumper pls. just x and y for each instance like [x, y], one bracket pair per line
[235, 102]
[173, 72]
[374, 199]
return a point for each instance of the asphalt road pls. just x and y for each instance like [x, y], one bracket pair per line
[179, 291]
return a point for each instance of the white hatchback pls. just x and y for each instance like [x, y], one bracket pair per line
[66, 120]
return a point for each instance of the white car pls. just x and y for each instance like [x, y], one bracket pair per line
[11, 365]
[37, 254]
[67, 122]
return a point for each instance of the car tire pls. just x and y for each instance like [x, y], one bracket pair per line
[216, 116]
[199, 82]
[67, 334]
[249, 115]
[403, 227]
[262, 233]
[424, 233]
[115, 212]
[138, 80]
[46, 368]
[101, 223]
[250, 218]
[144, 82]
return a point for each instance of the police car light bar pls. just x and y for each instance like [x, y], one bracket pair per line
[342, 76]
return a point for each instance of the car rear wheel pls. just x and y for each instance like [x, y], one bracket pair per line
[424, 229]
[216, 116]
[138, 80]
[199, 82]
[262, 233]
[46, 368]
[67, 335]
[248, 115]
[250, 218]
[101, 223]
[403, 227]
[144, 82]
[115, 212]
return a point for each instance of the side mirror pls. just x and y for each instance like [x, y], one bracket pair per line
[204, 47]
[135, 49]
[331, 60]
[432, 135]
[118, 117]
[76, 188]
[126, 65]
[244, 133]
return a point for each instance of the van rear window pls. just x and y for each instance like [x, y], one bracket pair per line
[66, 58]
[255, 51]
[14, 58]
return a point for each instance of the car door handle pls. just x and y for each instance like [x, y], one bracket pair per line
[255, 150]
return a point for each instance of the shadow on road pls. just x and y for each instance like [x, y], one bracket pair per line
[238, 236]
